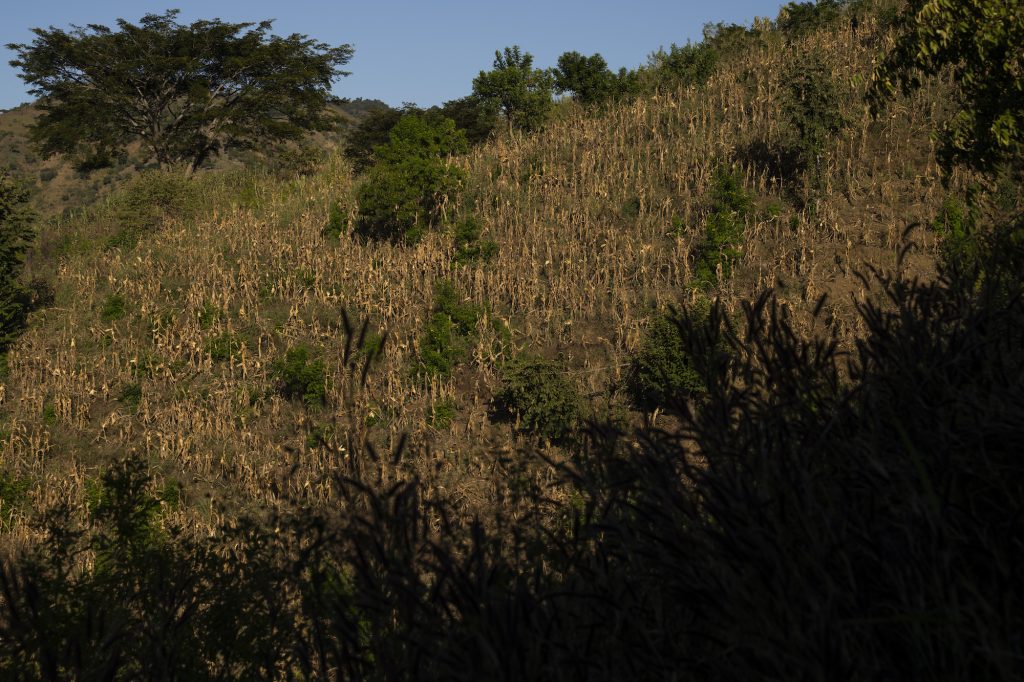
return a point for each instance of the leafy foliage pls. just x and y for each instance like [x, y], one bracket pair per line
[800, 18]
[812, 108]
[184, 91]
[474, 116]
[588, 78]
[16, 233]
[521, 92]
[980, 40]
[663, 374]
[724, 227]
[223, 347]
[538, 395]
[468, 246]
[451, 328]
[336, 223]
[373, 130]
[690, 64]
[406, 191]
[300, 376]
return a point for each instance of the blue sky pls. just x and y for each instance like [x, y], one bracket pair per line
[425, 52]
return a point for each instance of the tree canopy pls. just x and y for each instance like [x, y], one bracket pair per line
[980, 40]
[521, 92]
[185, 92]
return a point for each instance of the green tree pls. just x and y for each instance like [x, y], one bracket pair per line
[406, 191]
[185, 92]
[373, 130]
[588, 78]
[521, 92]
[16, 233]
[980, 40]
[473, 116]
[811, 106]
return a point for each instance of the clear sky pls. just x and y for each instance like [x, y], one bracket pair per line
[426, 51]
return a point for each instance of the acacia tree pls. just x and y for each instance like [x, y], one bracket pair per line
[185, 92]
[521, 92]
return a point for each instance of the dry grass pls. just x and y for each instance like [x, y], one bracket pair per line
[577, 273]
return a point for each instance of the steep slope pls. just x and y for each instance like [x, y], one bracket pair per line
[167, 334]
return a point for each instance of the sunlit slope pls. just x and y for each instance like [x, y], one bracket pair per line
[166, 342]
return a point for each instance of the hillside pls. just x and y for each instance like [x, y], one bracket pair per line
[58, 186]
[157, 346]
[704, 371]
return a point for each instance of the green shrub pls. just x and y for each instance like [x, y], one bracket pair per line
[724, 228]
[441, 415]
[151, 197]
[207, 315]
[690, 64]
[449, 332]
[631, 208]
[955, 225]
[171, 494]
[114, 308]
[811, 107]
[662, 373]
[223, 347]
[131, 396]
[469, 248]
[473, 116]
[539, 396]
[406, 191]
[336, 223]
[301, 377]
[373, 130]
[13, 494]
[589, 79]
[319, 435]
[16, 233]
[800, 18]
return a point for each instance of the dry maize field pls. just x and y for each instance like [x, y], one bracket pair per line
[596, 219]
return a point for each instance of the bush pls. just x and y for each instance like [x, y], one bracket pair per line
[662, 374]
[538, 395]
[441, 415]
[475, 117]
[16, 233]
[812, 108]
[690, 64]
[13, 494]
[468, 246]
[955, 225]
[449, 333]
[301, 377]
[336, 223]
[224, 347]
[372, 131]
[724, 228]
[407, 190]
[131, 396]
[114, 308]
[587, 78]
[800, 18]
